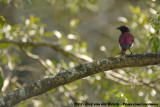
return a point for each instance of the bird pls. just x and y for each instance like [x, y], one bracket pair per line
[126, 39]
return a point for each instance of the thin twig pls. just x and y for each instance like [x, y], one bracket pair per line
[36, 57]
[112, 76]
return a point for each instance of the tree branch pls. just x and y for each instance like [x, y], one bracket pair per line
[79, 58]
[78, 72]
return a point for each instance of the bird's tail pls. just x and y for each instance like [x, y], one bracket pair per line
[123, 52]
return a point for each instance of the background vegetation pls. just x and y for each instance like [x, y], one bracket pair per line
[82, 27]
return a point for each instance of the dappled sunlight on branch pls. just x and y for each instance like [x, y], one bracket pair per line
[65, 76]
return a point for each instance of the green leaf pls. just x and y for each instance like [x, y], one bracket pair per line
[5, 45]
[3, 59]
[113, 90]
[48, 34]
[83, 45]
[157, 32]
[2, 21]
[155, 45]
[150, 41]
[157, 40]
[4, 1]
[107, 96]
[137, 10]
[1, 35]
[73, 8]
[38, 39]
[16, 27]
[34, 19]
[118, 94]
[1, 82]
[158, 18]
[1, 79]
[152, 20]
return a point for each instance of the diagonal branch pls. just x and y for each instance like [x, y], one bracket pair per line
[78, 72]
[54, 46]
[36, 57]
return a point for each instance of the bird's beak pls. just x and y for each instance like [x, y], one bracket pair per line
[118, 28]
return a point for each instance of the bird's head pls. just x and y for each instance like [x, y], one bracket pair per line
[123, 29]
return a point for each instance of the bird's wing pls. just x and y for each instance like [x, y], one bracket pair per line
[128, 38]
[122, 39]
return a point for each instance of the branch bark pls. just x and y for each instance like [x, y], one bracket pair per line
[83, 70]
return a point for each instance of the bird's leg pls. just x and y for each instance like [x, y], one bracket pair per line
[123, 52]
[130, 51]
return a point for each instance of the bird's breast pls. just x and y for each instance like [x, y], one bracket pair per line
[126, 38]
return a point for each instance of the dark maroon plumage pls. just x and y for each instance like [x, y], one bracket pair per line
[126, 39]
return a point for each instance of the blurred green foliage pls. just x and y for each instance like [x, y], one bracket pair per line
[155, 33]
[1, 82]
[2, 21]
[69, 16]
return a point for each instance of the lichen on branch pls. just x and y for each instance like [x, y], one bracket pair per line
[83, 70]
